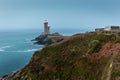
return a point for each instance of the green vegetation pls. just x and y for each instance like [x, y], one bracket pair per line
[116, 68]
[70, 59]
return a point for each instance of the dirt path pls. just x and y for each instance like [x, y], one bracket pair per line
[109, 72]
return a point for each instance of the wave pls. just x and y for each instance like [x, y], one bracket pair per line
[4, 47]
[1, 50]
[29, 50]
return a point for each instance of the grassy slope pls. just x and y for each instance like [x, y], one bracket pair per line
[115, 74]
[69, 60]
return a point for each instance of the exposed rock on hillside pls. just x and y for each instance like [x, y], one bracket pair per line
[47, 39]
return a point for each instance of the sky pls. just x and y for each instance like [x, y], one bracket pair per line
[61, 14]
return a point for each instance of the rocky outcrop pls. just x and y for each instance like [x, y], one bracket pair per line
[47, 39]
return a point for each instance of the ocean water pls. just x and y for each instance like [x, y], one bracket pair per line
[16, 48]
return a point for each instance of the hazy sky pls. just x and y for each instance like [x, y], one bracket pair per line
[29, 14]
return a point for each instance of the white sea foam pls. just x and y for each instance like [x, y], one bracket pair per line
[1, 50]
[29, 50]
[4, 47]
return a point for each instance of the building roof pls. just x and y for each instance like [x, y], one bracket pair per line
[45, 21]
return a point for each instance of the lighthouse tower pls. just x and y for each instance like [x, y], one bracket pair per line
[46, 27]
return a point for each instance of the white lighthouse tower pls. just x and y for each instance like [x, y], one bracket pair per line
[46, 27]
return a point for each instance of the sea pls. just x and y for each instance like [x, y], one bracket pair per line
[16, 47]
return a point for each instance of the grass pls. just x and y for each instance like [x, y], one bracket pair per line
[116, 68]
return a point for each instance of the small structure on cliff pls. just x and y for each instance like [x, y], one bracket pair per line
[108, 29]
[99, 29]
[112, 28]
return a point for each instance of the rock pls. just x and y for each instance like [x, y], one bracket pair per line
[0, 78]
[47, 39]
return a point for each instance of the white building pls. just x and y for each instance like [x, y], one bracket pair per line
[112, 28]
[109, 29]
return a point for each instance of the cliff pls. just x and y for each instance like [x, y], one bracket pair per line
[89, 56]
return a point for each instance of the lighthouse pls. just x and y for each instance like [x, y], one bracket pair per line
[46, 27]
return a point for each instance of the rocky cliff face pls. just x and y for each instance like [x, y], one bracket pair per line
[80, 57]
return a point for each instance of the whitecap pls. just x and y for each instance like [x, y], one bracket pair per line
[1, 50]
[4, 47]
[29, 50]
